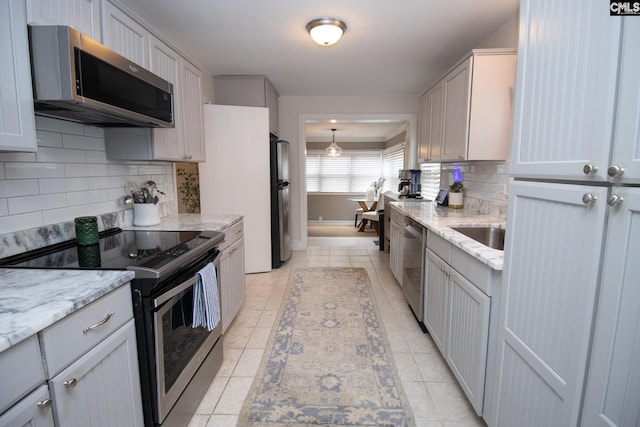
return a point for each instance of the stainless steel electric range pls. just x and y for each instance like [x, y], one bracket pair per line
[177, 361]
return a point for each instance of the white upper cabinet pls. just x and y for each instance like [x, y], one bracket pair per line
[467, 115]
[123, 34]
[624, 166]
[17, 123]
[190, 99]
[83, 15]
[567, 69]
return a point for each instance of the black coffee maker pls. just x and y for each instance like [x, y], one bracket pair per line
[409, 186]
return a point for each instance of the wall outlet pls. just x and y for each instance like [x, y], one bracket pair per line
[320, 218]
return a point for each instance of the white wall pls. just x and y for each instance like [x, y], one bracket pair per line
[294, 108]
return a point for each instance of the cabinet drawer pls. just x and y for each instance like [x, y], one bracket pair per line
[66, 340]
[232, 234]
[439, 245]
[21, 371]
[397, 216]
[481, 275]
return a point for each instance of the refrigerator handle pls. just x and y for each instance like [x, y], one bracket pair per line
[282, 183]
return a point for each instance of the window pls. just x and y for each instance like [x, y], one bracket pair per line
[352, 172]
[430, 178]
[392, 162]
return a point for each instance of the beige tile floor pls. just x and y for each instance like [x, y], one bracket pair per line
[432, 391]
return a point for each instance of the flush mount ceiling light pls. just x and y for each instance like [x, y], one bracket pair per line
[333, 150]
[326, 31]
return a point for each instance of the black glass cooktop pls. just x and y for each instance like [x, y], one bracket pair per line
[117, 249]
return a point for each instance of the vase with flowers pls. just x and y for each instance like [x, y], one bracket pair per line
[377, 187]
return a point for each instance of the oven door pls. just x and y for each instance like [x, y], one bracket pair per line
[179, 347]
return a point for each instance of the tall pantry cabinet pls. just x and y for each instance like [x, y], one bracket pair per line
[569, 329]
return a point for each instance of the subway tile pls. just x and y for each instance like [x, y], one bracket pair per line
[60, 155]
[60, 126]
[17, 157]
[4, 207]
[12, 223]
[49, 139]
[108, 182]
[55, 216]
[150, 169]
[85, 197]
[94, 131]
[82, 142]
[122, 169]
[18, 187]
[96, 157]
[78, 170]
[62, 185]
[2, 174]
[19, 205]
[33, 170]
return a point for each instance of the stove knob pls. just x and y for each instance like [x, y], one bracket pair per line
[132, 255]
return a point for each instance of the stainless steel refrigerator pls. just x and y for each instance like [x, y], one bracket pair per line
[280, 237]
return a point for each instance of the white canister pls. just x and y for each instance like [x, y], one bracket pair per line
[456, 200]
[146, 214]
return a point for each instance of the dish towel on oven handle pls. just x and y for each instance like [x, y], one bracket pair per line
[206, 302]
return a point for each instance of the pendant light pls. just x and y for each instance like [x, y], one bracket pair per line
[333, 150]
[326, 31]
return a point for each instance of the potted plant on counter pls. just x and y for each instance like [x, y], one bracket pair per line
[456, 196]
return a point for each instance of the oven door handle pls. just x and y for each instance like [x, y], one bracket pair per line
[175, 291]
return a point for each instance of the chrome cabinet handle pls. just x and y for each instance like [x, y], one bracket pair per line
[44, 403]
[615, 200]
[589, 199]
[589, 169]
[100, 323]
[70, 383]
[615, 171]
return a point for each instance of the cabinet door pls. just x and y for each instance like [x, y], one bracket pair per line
[236, 277]
[551, 270]
[457, 95]
[395, 252]
[83, 15]
[436, 295]
[102, 388]
[224, 276]
[17, 123]
[34, 410]
[124, 35]
[436, 122]
[566, 78]
[468, 335]
[626, 140]
[613, 388]
[191, 113]
[165, 62]
[425, 127]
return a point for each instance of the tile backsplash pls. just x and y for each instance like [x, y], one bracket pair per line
[485, 183]
[70, 176]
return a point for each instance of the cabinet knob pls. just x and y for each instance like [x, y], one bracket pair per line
[589, 199]
[44, 403]
[615, 171]
[70, 383]
[589, 169]
[184, 157]
[615, 200]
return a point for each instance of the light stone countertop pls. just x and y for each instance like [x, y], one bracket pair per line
[440, 220]
[32, 299]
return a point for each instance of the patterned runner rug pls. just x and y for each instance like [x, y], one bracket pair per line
[328, 361]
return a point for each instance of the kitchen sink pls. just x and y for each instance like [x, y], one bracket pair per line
[488, 236]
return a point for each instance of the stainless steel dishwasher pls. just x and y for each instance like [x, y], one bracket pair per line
[414, 239]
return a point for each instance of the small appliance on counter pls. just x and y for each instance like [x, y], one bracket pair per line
[409, 186]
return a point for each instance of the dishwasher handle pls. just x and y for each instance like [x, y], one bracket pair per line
[413, 228]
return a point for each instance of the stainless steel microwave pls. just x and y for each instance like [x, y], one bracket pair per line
[78, 79]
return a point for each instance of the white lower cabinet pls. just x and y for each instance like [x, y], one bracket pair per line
[102, 388]
[232, 281]
[457, 313]
[34, 410]
[395, 244]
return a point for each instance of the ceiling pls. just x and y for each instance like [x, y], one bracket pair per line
[395, 47]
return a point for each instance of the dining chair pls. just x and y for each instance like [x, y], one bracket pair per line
[373, 216]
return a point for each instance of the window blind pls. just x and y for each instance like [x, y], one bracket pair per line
[430, 180]
[352, 172]
[392, 162]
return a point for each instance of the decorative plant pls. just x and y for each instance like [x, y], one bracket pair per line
[189, 189]
[377, 185]
[456, 187]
